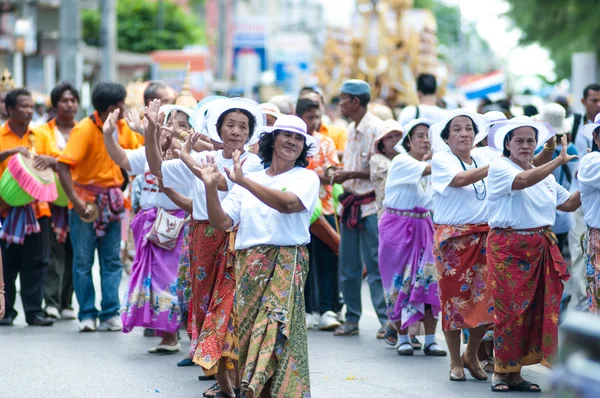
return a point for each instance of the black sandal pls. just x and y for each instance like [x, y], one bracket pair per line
[210, 390]
[390, 333]
[498, 383]
[415, 343]
[525, 386]
[408, 350]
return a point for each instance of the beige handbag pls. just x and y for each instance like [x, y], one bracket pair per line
[165, 230]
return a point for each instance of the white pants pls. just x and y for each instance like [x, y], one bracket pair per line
[576, 284]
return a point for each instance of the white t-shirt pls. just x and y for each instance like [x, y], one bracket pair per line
[532, 207]
[177, 175]
[488, 154]
[260, 224]
[589, 186]
[456, 205]
[405, 187]
[431, 112]
[150, 196]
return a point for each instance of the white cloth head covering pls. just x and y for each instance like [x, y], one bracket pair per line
[544, 130]
[437, 142]
[296, 125]
[168, 109]
[407, 129]
[222, 106]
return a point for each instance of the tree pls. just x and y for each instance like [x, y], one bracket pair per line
[561, 26]
[139, 26]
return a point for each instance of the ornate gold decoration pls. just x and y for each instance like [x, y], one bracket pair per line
[7, 82]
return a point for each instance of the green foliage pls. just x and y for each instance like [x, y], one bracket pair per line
[139, 25]
[448, 19]
[561, 26]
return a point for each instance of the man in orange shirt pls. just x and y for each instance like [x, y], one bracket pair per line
[89, 175]
[25, 233]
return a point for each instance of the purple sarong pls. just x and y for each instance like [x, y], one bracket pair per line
[407, 265]
[151, 297]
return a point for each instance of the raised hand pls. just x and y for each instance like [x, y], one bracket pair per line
[208, 172]
[190, 141]
[133, 120]
[151, 113]
[564, 156]
[236, 174]
[111, 122]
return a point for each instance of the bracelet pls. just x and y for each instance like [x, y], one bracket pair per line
[183, 136]
[549, 148]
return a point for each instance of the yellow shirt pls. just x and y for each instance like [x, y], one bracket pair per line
[338, 135]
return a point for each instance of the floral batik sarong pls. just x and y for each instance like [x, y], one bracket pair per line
[151, 297]
[527, 271]
[592, 268]
[184, 281]
[205, 243]
[407, 266]
[218, 338]
[462, 271]
[271, 320]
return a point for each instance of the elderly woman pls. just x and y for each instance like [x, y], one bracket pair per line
[272, 209]
[526, 267]
[406, 239]
[150, 299]
[589, 185]
[390, 133]
[233, 121]
[459, 204]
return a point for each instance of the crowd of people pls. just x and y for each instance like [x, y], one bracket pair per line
[254, 222]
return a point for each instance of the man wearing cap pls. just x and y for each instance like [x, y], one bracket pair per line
[359, 230]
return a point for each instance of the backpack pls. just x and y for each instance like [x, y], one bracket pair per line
[576, 122]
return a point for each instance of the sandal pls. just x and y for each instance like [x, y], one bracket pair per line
[347, 329]
[223, 394]
[489, 365]
[525, 386]
[436, 351]
[478, 374]
[459, 376]
[498, 383]
[407, 350]
[211, 391]
[391, 336]
[415, 343]
[381, 333]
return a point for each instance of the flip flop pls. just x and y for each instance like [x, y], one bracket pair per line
[475, 375]
[417, 345]
[212, 390]
[525, 386]
[165, 349]
[497, 383]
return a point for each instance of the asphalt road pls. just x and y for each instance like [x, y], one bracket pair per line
[60, 362]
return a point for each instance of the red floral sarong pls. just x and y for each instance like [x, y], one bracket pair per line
[218, 338]
[205, 243]
[461, 264]
[526, 271]
[591, 245]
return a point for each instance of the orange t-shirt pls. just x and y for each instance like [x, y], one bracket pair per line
[43, 144]
[86, 155]
[339, 135]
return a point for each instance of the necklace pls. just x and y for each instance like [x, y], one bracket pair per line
[479, 186]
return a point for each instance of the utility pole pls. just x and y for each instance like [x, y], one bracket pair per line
[70, 35]
[221, 53]
[108, 41]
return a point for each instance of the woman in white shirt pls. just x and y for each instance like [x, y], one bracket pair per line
[589, 185]
[235, 122]
[150, 300]
[272, 209]
[406, 240]
[526, 267]
[459, 211]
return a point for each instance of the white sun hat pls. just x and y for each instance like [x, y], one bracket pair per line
[545, 131]
[293, 124]
[234, 103]
[555, 115]
[588, 129]
[204, 110]
[168, 109]
[437, 142]
[407, 129]
[492, 121]
[385, 128]
[270, 109]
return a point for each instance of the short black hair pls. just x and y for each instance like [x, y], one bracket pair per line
[265, 149]
[304, 105]
[591, 87]
[426, 84]
[150, 91]
[11, 99]
[509, 136]
[60, 89]
[594, 146]
[250, 116]
[106, 95]
[406, 142]
[445, 134]
[364, 99]
[530, 110]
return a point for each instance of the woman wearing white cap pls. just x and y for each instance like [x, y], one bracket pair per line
[272, 209]
[526, 267]
[459, 204]
[235, 122]
[406, 239]
[389, 134]
[589, 185]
